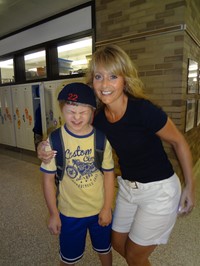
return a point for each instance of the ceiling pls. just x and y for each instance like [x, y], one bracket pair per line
[17, 14]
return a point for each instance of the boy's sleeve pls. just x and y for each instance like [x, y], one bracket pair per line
[50, 167]
[108, 163]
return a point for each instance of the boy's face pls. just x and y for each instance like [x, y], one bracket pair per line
[78, 118]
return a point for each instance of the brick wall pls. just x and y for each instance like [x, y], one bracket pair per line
[192, 18]
[153, 33]
[115, 18]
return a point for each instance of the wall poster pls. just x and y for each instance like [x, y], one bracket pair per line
[192, 82]
[199, 79]
[190, 114]
[198, 112]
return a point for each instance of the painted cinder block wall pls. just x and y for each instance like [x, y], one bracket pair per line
[159, 36]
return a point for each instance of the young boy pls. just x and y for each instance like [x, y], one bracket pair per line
[85, 193]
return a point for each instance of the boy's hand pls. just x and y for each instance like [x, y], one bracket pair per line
[54, 225]
[105, 217]
[43, 155]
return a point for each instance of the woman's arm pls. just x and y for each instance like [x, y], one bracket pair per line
[54, 224]
[172, 135]
[105, 216]
[43, 155]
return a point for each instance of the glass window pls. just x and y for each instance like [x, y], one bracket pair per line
[73, 57]
[7, 71]
[35, 65]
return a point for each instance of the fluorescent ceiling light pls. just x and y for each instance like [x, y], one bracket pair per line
[6, 63]
[33, 69]
[76, 45]
[35, 55]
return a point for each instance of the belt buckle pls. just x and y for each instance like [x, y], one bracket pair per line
[133, 184]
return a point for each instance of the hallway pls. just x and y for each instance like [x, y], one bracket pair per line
[25, 239]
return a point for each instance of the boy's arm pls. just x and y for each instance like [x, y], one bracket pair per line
[49, 190]
[105, 216]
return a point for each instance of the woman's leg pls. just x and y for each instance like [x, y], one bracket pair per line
[134, 254]
[119, 242]
[137, 255]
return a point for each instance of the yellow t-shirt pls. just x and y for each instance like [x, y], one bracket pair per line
[81, 192]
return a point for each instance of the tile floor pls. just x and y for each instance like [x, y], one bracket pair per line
[25, 240]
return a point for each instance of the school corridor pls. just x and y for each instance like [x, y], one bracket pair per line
[25, 240]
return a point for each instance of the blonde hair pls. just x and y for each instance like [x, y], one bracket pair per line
[116, 61]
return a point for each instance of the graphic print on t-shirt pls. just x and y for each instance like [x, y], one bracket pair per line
[80, 167]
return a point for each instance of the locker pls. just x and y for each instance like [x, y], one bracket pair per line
[7, 128]
[22, 96]
[52, 113]
[18, 104]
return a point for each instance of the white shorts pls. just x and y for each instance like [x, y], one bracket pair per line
[147, 211]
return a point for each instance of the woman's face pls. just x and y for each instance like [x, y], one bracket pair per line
[108, 86]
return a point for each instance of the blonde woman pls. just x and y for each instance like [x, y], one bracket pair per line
[149, 195]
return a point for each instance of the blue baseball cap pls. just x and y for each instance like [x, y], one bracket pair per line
[78, 92]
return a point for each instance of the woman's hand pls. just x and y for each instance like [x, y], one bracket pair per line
[43, 155]
[187, 201]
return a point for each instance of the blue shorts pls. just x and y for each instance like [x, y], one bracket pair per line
[73, 237]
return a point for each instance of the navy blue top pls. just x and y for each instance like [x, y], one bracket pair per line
[140, 151]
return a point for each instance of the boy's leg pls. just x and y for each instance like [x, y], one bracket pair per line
[101, 240]
[72, 240]
[65, 264]
[106, 259]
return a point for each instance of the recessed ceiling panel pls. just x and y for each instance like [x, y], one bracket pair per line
[17, 14]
